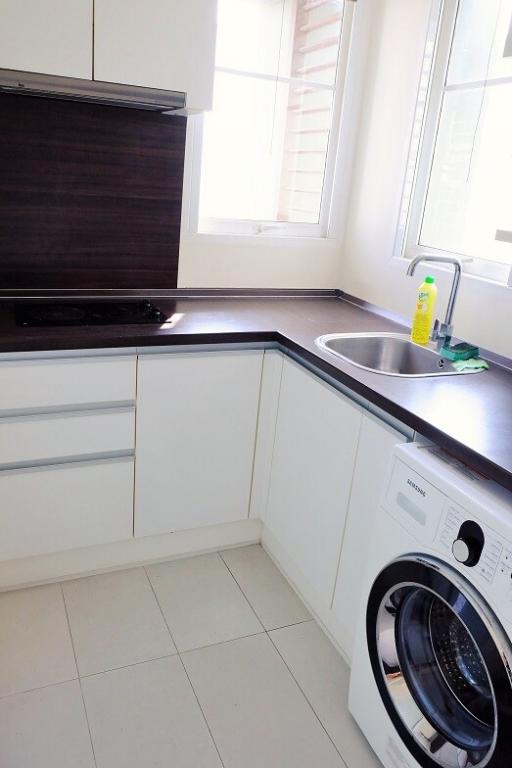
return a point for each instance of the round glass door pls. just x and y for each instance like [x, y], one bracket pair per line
[440, 662]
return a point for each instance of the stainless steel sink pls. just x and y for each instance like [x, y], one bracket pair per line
[393, 354]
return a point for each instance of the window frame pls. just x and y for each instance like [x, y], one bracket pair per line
[422, 146]
[275, 232]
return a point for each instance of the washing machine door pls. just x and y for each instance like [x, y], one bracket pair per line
[441, 663]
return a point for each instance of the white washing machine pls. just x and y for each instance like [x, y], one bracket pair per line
[431, 677]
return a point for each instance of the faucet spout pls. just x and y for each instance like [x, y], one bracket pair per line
[442, 332]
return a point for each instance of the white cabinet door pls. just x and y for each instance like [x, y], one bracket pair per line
[314, 454]
[166, 44]
[64, 506]
[195, 436]
[376, 445]
[50, 36]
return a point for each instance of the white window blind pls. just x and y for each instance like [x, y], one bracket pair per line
[267, 155]
[462, 200]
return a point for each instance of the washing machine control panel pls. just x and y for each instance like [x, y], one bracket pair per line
[504, 579]
[485, 553]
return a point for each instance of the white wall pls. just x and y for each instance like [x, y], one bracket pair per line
[363, 265]
[367, 269]
[245, 264]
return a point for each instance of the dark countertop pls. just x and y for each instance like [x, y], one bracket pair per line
[469, 416]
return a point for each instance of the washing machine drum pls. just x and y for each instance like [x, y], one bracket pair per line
[441, 663]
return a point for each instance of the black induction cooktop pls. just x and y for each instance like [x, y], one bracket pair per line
[67, 313]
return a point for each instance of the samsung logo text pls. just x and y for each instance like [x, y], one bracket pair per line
[416, 487]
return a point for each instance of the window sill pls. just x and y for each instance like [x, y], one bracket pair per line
[261, 240]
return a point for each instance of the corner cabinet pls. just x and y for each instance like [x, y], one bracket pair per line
[196, 431]
[167, 44]
[314, 455]
[53, 37]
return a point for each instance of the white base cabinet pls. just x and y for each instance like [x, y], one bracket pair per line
[69, 430]
[67, 439]
[376, 443]
[314, 454]
[196, 432]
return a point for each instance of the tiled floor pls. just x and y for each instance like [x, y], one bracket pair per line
[200, 663]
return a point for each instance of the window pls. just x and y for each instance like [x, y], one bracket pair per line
[458, 189]
[268, 146]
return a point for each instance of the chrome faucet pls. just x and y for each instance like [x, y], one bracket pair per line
[442, 332]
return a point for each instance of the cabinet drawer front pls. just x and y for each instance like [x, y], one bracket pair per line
[34, 439]
[27, 385]
[49, 509]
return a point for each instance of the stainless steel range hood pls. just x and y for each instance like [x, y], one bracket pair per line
[97, 92]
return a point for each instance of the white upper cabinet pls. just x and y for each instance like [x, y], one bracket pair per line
[314, 454]
[50, 36]
[167, 44]
[196, 432]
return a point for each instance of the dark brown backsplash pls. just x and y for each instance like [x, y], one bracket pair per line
[90, 196]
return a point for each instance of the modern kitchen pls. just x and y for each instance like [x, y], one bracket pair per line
[255, 383]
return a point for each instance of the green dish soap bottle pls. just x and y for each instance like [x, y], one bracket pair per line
[424, 312]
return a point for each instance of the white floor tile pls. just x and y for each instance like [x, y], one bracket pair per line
[202, 602]
[257, 714]
[147, 715]
[46, 728]
[35, 646]
[272, 598]
[115, 621]
[324, 677]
